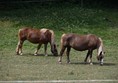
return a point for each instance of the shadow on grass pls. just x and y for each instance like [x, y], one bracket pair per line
[38, 55]
[94, 63]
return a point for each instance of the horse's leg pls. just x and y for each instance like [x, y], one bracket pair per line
[67, 53]
[90, 60]
[35, 53]
[61, 53]
[87, 56]
[45, 49]
[19, 47]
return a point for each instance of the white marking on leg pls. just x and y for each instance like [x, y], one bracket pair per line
[101, 62]
[35, 53]
[45, 49]
[59, 60]
[91, 63]
[21, 53]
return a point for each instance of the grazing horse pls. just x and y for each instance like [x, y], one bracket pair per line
[36, 36]
[81, 43]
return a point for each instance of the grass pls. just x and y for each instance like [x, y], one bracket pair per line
[62, 19]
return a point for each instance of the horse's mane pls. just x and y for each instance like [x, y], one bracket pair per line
[100, 48]
[52, 37]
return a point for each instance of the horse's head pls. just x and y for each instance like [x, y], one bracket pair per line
[54, 50]
[100, 57]
[101, 52]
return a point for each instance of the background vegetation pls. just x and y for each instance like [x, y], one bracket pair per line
[65, 17]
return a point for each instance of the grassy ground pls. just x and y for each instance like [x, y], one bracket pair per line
[62, 19]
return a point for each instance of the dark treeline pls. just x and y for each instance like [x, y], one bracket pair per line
[82, 3]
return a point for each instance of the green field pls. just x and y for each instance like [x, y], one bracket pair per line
[66, 18]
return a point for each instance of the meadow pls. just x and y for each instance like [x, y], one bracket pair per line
[66, 18]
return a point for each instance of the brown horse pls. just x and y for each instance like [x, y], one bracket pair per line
[37, 36]
[81, 43]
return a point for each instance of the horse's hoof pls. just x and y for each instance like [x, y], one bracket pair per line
[35, 54]
[85, 62]
[59, 62]
[17, 54]
[68, 62]
[91, 63]
[21, 53]
[46, 55]
[101, 64]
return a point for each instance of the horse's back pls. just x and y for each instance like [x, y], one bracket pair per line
[67, 39]
[26, 32]
[35, 35]
[80, 42]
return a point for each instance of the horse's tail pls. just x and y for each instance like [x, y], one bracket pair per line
[100, 48]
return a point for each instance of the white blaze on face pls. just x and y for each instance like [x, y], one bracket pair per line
[101, 62]
[43, 30]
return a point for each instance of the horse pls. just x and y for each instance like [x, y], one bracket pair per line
[78, 42]
[37, 36]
